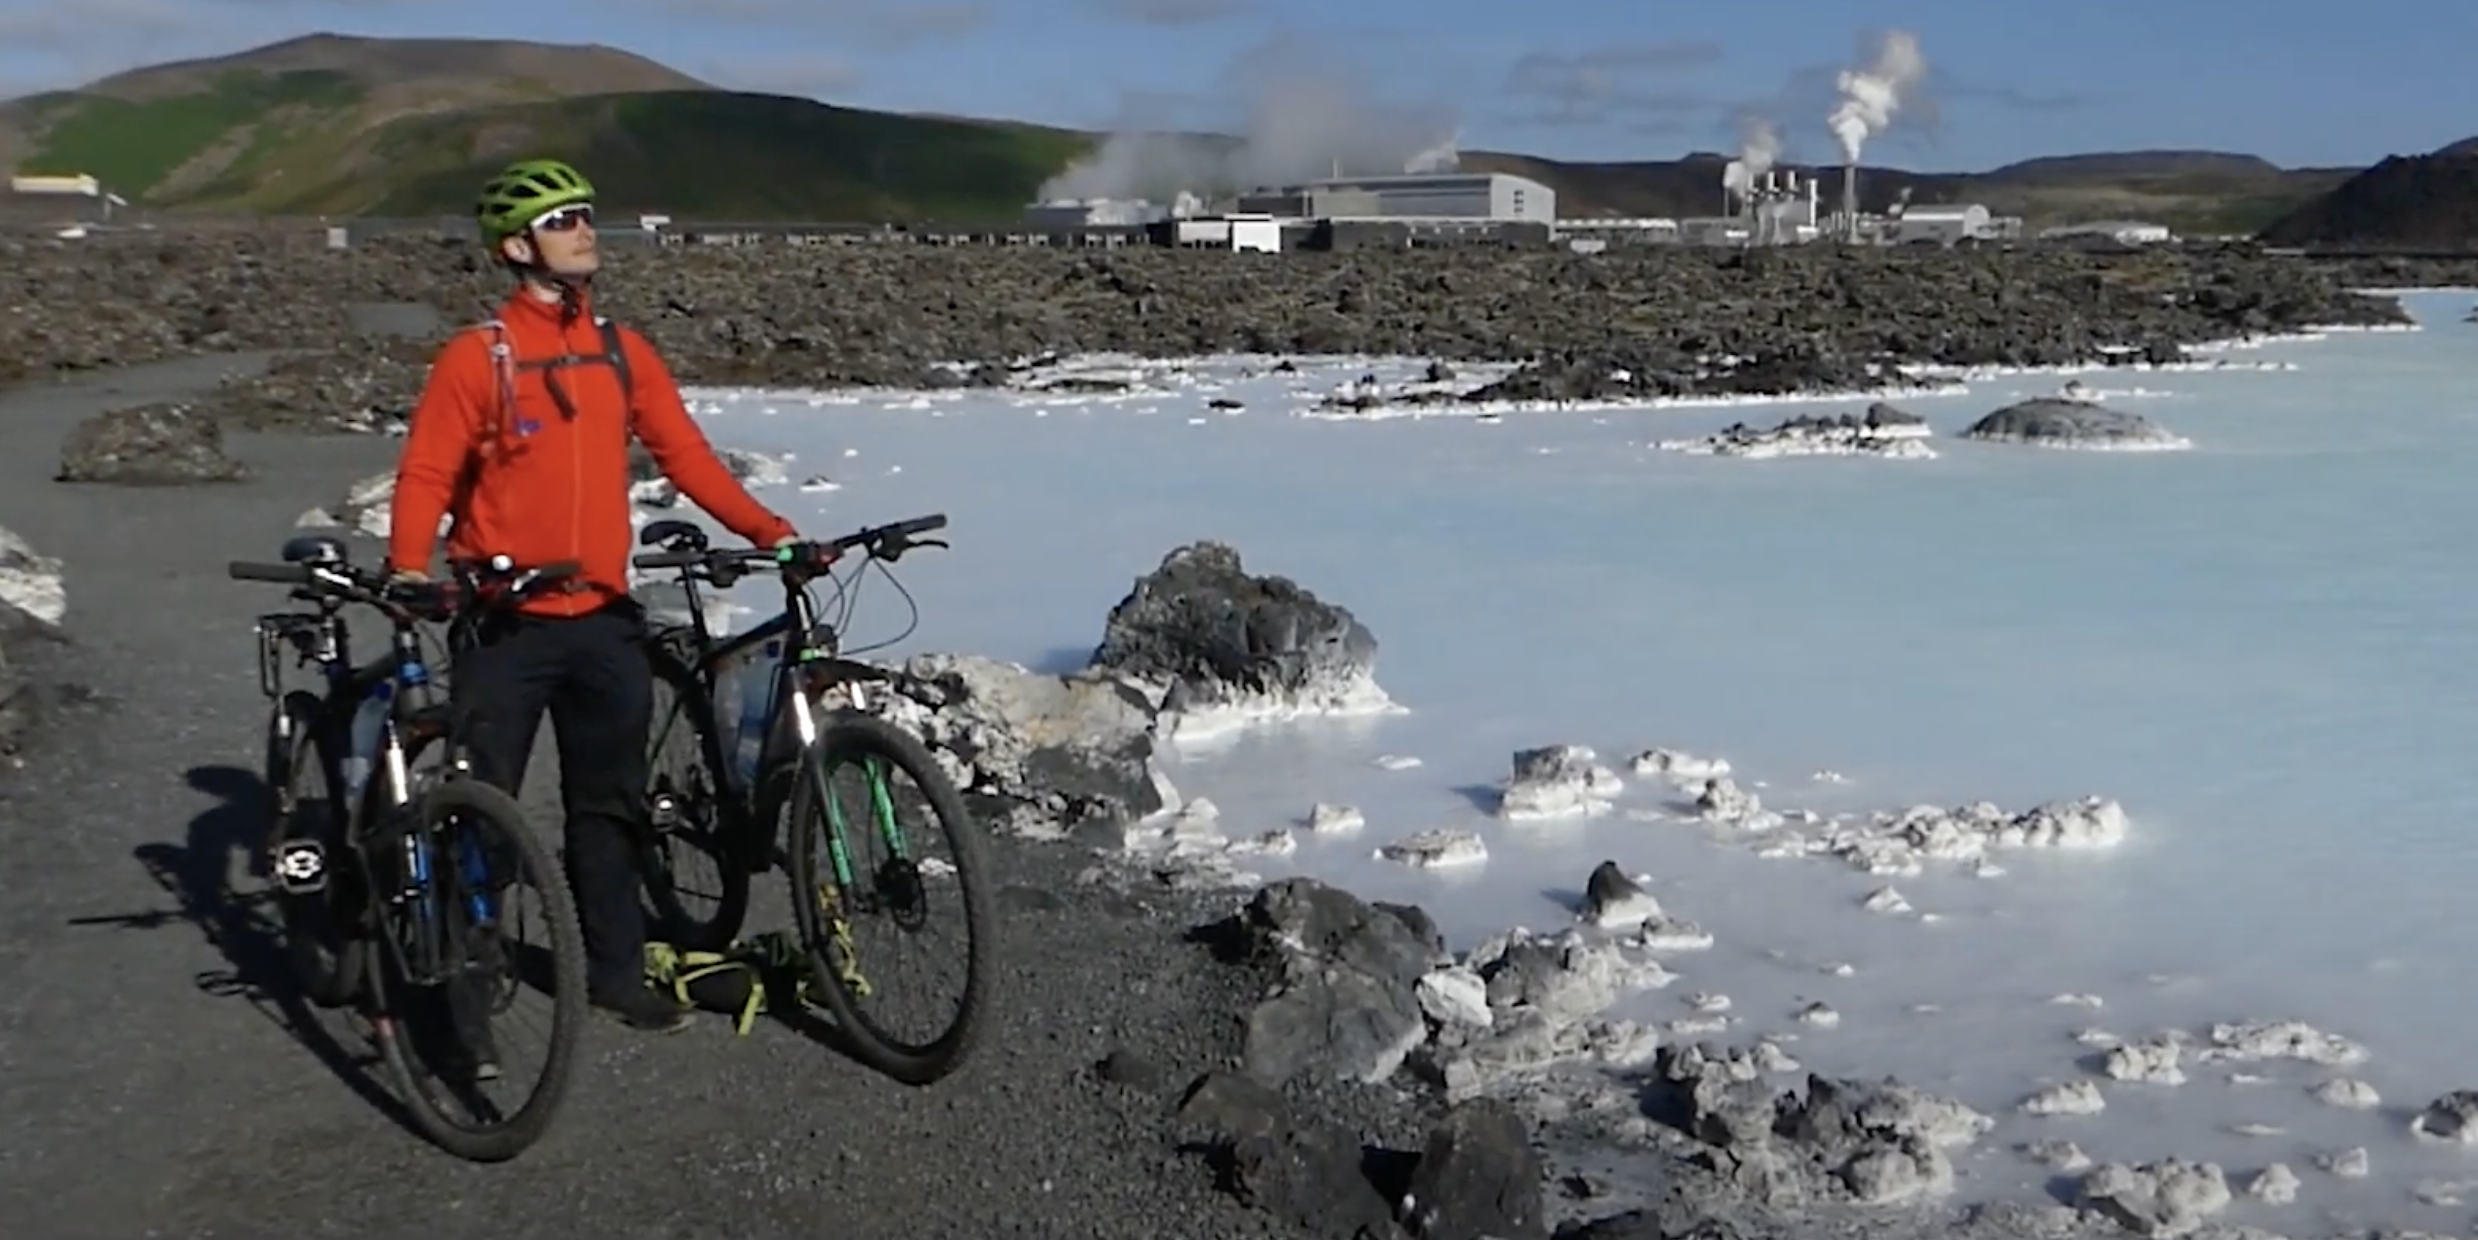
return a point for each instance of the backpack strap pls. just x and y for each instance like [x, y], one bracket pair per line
[619, 361]
[503, 366]
[506, 365]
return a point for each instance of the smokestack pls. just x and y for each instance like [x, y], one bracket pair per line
[1849, 199]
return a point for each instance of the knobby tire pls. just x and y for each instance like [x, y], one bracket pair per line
[672, 921]
[852, 737]
[518, 1132]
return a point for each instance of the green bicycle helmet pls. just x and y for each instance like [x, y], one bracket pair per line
[523, 191]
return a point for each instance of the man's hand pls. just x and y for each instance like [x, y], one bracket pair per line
[785, 541]
[407, 577]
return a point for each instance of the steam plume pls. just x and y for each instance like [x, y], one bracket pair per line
[1872, 96]
[1298, 120]
[1759, 144]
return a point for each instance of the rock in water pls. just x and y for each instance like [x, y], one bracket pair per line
[151, 445]
[1215, 635]
[2051, 423]
[1612, 900]
[1883, 431]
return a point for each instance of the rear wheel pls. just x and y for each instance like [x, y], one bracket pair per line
[316, 887]
[870, 813]
[695, 872]
[460, 965]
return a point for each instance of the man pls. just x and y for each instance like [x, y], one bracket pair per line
[522, 435]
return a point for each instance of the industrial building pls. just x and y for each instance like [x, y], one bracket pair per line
[1780, 209]
[1941, 224]
[2123, 232]
[1494, 196]
[1259, 233]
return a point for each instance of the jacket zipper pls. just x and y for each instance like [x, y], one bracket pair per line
[576, 474]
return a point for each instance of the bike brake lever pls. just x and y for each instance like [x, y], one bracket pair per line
[930, 542]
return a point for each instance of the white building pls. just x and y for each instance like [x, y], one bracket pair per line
[1493, 196]
[2123, 232]
[1941, 223]
[1259, 233]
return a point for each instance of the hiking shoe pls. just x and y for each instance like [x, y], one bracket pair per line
[644, 1009]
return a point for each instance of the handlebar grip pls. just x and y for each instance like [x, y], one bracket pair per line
[281, 574]
[669, 559]
[917, 525]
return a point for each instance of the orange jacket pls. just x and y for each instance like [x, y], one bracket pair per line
[530, 483]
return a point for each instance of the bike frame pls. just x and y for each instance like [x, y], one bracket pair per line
[811, 663]
[402, 680]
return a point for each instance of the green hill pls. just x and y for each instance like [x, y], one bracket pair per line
[337, 125]
[334, 125]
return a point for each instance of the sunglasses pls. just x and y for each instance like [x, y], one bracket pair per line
[563, 219]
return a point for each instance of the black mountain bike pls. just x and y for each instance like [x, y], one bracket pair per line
[778, 763]
[393, 883]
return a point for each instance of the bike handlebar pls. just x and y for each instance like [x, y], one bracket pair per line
[884, 542]
[490, 581]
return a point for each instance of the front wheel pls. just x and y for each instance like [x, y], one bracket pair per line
[460, 956]
[870, 806]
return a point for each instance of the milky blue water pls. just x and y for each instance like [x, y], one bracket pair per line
[2262, 647]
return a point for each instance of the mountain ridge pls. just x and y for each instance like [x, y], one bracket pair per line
[336, 124]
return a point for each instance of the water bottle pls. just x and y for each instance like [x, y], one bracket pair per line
[365, 740]
[754, 681]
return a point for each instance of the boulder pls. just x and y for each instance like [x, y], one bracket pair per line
[1870, 1143]
[1213, 635]
[1341, 1002]
[1475, 1175]
[30, 582]
[151, 445]
[32, 604]
[1041, 755]
[2170, 1197]
[2050, 422]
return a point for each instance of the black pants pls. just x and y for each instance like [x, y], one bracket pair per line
[590, 672]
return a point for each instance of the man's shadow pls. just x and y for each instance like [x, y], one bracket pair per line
[246, 928]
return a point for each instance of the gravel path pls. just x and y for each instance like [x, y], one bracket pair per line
[155, 1082]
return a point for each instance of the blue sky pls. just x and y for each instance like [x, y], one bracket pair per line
[1602, 79]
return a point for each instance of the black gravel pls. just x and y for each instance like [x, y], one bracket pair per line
[154, 1080]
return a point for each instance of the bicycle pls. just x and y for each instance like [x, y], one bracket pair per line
[781, 760]
[391, 888]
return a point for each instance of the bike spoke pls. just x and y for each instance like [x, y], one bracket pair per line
[894, 912]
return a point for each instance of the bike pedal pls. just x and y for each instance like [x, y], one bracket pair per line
[301, 867]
